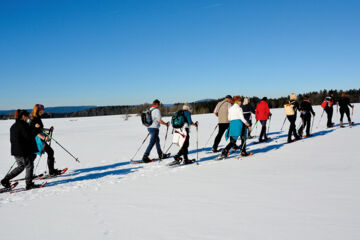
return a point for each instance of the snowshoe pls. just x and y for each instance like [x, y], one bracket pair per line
[12, 186]
[177, 161]
[146, 159]
[164, 155]
[189, 161]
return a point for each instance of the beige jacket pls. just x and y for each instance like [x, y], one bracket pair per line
[222, 110]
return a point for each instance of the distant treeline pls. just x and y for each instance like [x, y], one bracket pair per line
[198, 107]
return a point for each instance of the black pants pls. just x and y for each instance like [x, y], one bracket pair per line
[329, 111]
[50, 160]
[263, 130]
[27, 163]
[292, 129]
[230, 145]
[244, 136]
[184, 149]
[306, 122]
[345, 111]
[222, 129]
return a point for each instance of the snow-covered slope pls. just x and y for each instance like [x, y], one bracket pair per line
[304, 190]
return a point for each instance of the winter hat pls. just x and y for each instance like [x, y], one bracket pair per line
[187, 108]
[246, 101]
[343, 94]
[228, 96]
[264, 99]
[293, 96]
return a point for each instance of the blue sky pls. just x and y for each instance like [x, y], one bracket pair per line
[89, 52]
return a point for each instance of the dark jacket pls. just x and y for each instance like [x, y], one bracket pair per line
[22, 139]
[295, 104]
[344, 102]
[307, 108]
[33, 122]
[247, 110]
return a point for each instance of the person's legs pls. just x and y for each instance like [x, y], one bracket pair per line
[347, 111]
[184, 148]
[153, 136]
[263, 131]
[29, 161]
[50, 159]
[308, 124]
[20, 161]
[222, 129]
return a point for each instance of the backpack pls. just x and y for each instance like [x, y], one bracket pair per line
[289, 109]
[178, 119]
[146, 118]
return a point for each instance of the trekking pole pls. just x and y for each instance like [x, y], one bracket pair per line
[269, 125]
[312, 125]
[283, 124]
[11, 168]
[253, 128]
[139, 147]
[197, 144]
[169, 148]
[211, 136]
[167, 130]
[76, 159]
[320, 119]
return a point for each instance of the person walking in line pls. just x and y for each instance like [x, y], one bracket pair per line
[237, 122]
[183, 152]
[38, 128]
[327, 105]
[221, 111]
[344, 103]
[262, 114]
[23, 148]
[305, 113]
[291, 112]
[247, 111]
[153, 130]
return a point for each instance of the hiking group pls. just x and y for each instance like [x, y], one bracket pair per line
[235, 121]
[29, 138]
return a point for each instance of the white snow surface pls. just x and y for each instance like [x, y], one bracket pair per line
[303, 190]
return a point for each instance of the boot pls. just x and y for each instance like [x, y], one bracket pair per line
[341, 124]
[32, 186]
[146, 159]
[5, 182]
[164, 156]
[224, 153]
[55, 172]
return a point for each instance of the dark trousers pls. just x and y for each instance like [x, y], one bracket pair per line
[23, 163]
[230, 145]
[329, 111]
[345, 111]
[222, 129]
[154, 140]
[263, 130]
[306, 122]
[184, 149]
[244, 135]
[50, 160]
[292, 129]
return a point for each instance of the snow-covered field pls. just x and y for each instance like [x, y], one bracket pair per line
[304, 190]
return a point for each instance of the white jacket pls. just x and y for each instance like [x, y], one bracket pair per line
[235, 113]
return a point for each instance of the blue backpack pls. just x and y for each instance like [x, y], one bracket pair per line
[178, 119]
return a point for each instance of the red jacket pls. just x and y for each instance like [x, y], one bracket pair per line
[262, 111]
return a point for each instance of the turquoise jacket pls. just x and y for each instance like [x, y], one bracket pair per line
[235, 129]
